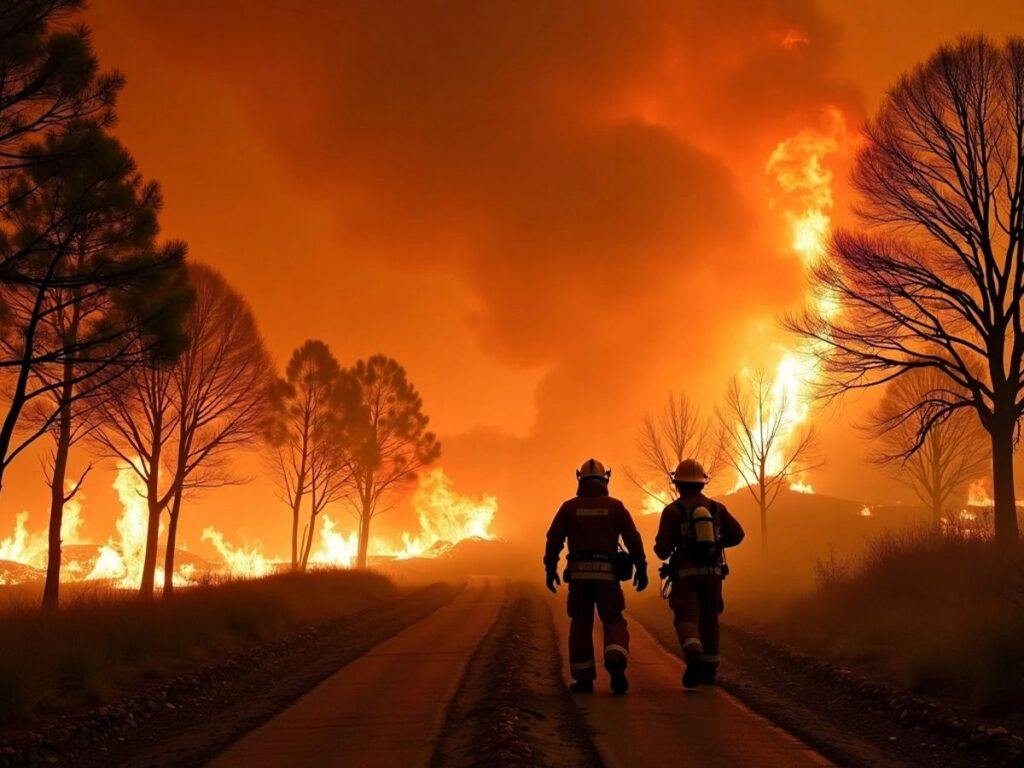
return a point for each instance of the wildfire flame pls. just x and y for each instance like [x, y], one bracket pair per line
[446, 517]
[335, 548]
[239, 562]
[801, 487]
[797, 166]
[655, 499]
[977, 495]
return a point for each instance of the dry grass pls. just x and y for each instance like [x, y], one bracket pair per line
[942, 614]
[104, 642]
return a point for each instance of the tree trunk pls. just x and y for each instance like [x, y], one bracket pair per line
[364, 536]
[172, 537]
[764, 524]
[152, 544]
[51, 590]
[296, 505]
[1003, 491]
[762, 503]
[155, 508]
[308, 544]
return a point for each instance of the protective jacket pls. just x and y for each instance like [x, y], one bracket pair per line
[592, 522]
[674, 535]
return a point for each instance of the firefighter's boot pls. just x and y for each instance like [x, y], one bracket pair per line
[692, 676]
[615, 663]
[582, 686]
[709, 671]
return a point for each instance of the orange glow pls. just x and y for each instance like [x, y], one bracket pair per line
[797, 166]
[534, 219]
[978, 496]
[655, 498]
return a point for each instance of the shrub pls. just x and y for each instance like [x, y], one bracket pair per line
[941, 614]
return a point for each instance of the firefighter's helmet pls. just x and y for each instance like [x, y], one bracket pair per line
[592, 468]
[690, 471]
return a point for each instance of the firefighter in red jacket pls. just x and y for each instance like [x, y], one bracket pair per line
[693, 535]
[593, 522]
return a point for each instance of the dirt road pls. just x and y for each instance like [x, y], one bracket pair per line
[386, 707]
[658, 722]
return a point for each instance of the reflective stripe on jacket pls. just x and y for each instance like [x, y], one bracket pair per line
[592, 523]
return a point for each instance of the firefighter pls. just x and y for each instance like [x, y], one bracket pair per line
[593, 522]
[693, 535]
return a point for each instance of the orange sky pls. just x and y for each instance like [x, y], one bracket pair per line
[551, 217]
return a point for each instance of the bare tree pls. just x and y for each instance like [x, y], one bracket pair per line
[336, 452]
[679, 431]
[938, 282]
[764, 444]
[137, 425]
[219, 395]
[97, 297]
[936, 461]
[316, 412]
[400, 444]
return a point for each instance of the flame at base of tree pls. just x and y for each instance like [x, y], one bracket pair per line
[445, 517]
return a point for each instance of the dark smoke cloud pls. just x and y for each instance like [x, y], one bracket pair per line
[593, 172]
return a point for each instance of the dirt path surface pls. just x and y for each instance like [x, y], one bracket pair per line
[214, 706]
[658, 723]
[512, 708]
[386, 707]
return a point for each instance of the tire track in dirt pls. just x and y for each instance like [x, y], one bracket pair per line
[512, 708]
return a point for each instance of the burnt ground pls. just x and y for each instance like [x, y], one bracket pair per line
[512, 708]
[851, 719]
[190, 719]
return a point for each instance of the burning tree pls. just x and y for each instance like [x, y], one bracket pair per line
[96, 297]
[219, 393]
[768, 444]
[679, 431]
[173, 422]
[937, 283]
[936, 461]
[400, 444]
[316, 429]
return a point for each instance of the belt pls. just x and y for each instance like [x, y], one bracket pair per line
[699, 570]
[590, 567]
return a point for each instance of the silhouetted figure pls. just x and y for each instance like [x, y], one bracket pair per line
[693, 535]
[593, 522]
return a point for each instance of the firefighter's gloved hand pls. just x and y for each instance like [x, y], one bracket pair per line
[552, 580]
[640, 578]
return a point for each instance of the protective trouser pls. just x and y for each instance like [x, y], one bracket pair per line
[696, 602]
[607, 597]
